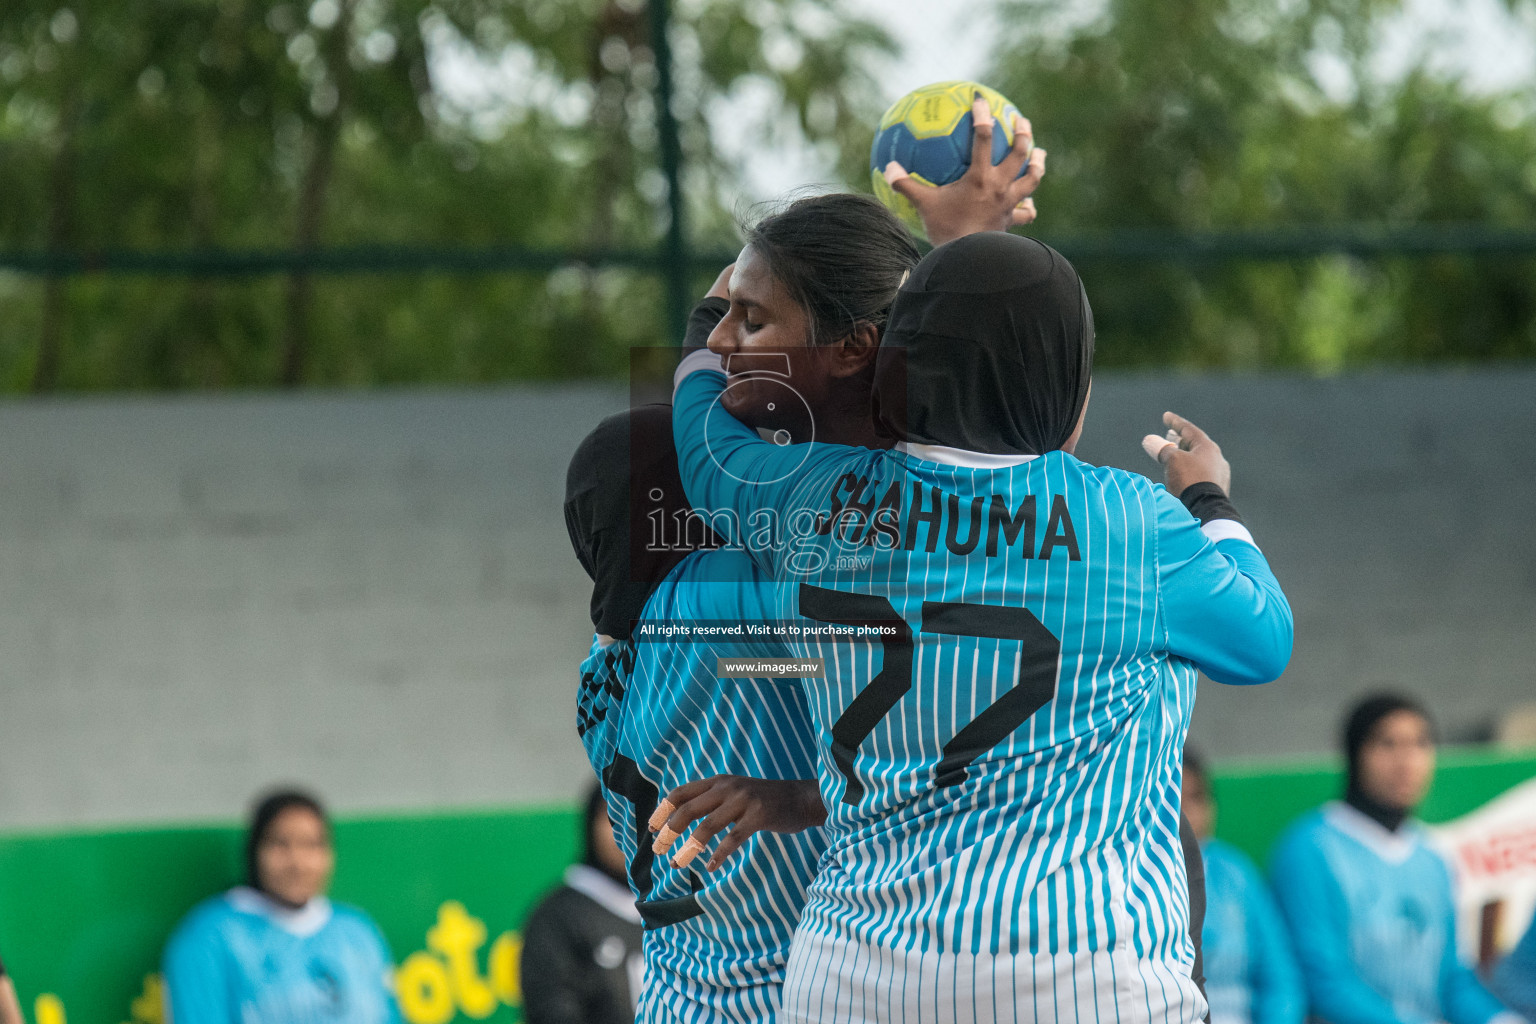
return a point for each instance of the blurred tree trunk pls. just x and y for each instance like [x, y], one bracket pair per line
[61, 233]
[613, 164]
[312, 191]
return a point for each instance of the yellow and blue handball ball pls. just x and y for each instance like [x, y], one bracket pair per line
[928, 131]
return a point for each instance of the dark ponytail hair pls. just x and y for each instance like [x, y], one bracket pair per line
[841, 257]
[262, 817]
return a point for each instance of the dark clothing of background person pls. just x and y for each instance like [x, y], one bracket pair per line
[581, 953]
[1194, 871]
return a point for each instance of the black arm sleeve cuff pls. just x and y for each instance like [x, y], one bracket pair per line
[704, 318]
[1207, 501]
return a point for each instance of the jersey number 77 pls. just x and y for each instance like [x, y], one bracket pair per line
[1035, 673]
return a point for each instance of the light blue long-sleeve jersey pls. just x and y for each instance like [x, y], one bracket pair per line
[239, 958]
[1515, 978]
[1373, 923]
[1001, 763]
[653, 714]
[1251, 975]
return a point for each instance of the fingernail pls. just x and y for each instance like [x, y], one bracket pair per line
[894, 172]
[1021, 124]
[980, 110]
[664, 841]
[691, 849]
[663, 812]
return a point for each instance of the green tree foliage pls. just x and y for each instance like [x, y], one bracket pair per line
[195, 124]
[1211, 114]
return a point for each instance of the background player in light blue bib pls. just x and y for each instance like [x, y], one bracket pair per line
[1515, 978]
[1251, 975]
[1370, 905]
[277, 951]
[1001, 765]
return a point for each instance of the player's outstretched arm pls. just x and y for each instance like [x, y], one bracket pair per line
[1222, 607]
[744, 805]
[985, 198]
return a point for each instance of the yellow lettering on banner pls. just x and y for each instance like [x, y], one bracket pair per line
[149, 1006]
[457, 936]
[506, 968]
[426, 995]
[48, 1009]
[436, 984]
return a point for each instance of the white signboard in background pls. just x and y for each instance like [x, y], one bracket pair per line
[1493, 854]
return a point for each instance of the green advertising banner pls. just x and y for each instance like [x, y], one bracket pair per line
[84, 914]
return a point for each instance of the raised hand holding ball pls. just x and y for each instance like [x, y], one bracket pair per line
[941, 165]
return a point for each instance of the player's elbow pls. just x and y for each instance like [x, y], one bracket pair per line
[1273, 641]
[1261, 657]
[1274, 654]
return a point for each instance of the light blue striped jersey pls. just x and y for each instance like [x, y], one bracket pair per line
[652, 716]
[1005, 758]
[240, 958]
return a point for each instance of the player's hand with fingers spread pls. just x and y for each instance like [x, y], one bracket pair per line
[985, 198]
[1188, 455]
[744, 805]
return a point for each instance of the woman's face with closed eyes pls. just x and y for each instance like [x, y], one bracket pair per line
[776, 376]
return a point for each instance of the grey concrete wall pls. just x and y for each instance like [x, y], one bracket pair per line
[1399, 512]
[373, 594]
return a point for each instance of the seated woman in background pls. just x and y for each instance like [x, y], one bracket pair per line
[1370, 905]
[276, 951]
[1515, 979]
[1250, 972]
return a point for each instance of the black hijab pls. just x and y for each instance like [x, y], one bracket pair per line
[1358, 727]
[621, 483]
[989, 348]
